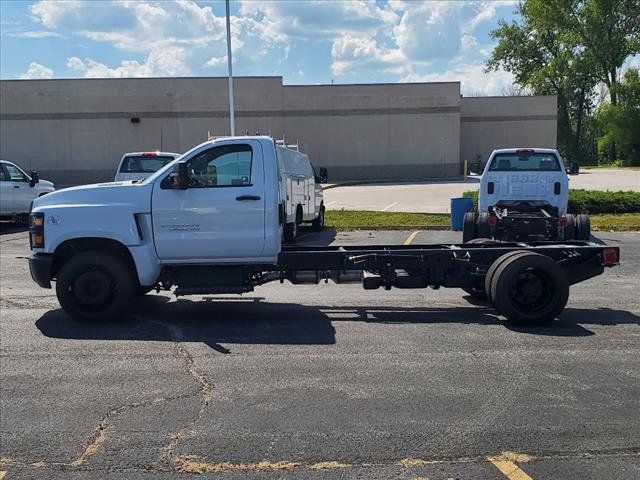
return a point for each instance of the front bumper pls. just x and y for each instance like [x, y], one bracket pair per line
[40, 267]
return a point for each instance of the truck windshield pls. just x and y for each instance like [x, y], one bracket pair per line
[144, 164]
[529, 161]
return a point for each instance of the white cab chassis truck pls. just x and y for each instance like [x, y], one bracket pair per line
[211, 222]
[523, 195]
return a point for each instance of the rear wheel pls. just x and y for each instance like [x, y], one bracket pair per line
[492, 270]
[483, 230]
[529, 288]
[318, 223]
[569, 230]
[469, 226]
[583, 227]
[95, 286]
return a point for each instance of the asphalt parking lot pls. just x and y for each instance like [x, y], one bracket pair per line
[435, 196]
[321, 382]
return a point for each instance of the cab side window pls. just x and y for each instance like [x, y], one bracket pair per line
[14, 173]
[221, 166]
[3, 175]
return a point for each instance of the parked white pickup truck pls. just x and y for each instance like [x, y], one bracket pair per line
[524, 194]
[212, 222]
[18, 190]
[137, 166]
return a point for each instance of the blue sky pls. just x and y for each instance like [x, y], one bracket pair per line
[304, 41]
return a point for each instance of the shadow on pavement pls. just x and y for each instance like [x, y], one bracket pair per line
[253, 321]
[7, 227]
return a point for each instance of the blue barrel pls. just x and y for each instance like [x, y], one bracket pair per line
[459, 206]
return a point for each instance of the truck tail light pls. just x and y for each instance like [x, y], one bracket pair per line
[556, 188]
[492, 220]
[490, 188]
[36, 230]
[150, 154]
[562, 221]
[610, 257]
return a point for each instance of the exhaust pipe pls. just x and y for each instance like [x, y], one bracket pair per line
[313, 277]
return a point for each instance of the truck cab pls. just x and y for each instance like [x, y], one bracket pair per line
[524, 195]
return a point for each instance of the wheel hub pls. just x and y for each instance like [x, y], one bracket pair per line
[528, 289]
[92, 288]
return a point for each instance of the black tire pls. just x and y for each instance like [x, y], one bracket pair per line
[469, 227]
[492, 270]
[583, 227]
[483, 229]
[318, 223]
[569, 230]
[529, 289]
[291, 231]
[95, 286]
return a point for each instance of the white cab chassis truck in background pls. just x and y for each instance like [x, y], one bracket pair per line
[524, 193]
[300, 191]
[212, 222]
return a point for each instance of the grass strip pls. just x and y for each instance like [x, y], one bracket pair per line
[370, 220]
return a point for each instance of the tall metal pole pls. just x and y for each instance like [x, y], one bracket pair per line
[232, 119]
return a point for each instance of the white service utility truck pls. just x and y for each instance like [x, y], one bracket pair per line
[524, 193]
[212, 221]
[300, 190]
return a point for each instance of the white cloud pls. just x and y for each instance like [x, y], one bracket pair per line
[320, 18]
[34, 34]
[151, 28]
[216, 61]
[363, 54]
[168, 62]
[37, 71]
[474, 80]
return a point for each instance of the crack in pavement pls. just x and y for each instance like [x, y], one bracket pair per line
[205, 391]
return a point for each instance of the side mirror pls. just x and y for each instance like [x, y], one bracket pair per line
[180, 176]
[34, 178]
[323, 176]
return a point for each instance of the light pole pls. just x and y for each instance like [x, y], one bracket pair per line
[232, 120]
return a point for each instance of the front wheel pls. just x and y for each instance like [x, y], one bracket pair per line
[95, 286]
[318, 223]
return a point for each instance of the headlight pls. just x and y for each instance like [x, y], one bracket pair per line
[36, 230]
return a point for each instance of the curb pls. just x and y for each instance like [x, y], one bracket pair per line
[392, 227]
[394, 182]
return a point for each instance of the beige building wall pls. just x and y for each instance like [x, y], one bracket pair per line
[75, 131]
[488, 123]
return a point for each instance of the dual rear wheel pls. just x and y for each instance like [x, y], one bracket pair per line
[527, 287]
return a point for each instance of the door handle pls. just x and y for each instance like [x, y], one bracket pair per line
[16, 186]
[242, 198]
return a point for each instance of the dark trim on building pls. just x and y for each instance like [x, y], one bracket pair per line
[225, 114]
[508, 118]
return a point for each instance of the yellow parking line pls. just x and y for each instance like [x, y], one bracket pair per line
[509, 469]
[2, 474]
[411, 237]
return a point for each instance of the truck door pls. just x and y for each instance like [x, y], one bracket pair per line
[221, 213]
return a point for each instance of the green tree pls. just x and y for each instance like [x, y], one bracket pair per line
[566, 47]
[619, 123]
